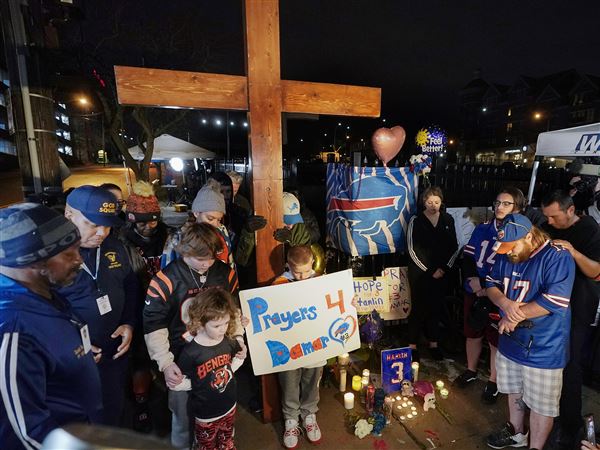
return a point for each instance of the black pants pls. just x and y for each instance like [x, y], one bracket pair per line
[427, 295]
[570, 397]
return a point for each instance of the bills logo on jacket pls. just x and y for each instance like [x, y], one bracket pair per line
[368, 208]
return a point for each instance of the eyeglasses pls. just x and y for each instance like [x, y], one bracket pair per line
[505, 204]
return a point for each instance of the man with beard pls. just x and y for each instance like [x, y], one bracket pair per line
[531, 283]
[105, 291]
[581, 237]
[48, 377]
[144, 238]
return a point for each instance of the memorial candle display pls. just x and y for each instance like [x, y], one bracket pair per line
[349, 400]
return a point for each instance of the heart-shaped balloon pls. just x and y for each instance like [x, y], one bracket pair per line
[388, 142]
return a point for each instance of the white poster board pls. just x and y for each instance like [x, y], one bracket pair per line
[399, 293]
[371, 294]
[299, 324]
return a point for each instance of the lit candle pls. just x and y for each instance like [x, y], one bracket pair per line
[414, 413]
[399, 398]
[444, 393]
[342, 378]
[402, 417]
[409, 403]
[344, 359]
[409, 416]
[363, 390]
[439, 384]
[404, 404]
[415, 371]
[413, 408]
[399, 407]
[356, 383]
[404, 398]
[366, 373]
[349, 400]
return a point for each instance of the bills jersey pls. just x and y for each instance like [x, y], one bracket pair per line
[547, 279]
[480, 249]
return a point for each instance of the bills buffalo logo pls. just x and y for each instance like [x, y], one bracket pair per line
[342, 329]
[368, 209]
[221, 378]
[500, 234]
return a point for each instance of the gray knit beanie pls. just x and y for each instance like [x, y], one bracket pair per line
[209, 198]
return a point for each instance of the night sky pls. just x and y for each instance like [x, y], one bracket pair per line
[419, 53]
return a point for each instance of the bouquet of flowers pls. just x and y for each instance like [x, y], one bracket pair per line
[420, 164]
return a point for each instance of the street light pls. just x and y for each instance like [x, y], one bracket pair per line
[539, 116]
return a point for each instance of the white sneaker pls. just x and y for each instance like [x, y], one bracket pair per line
[292, 431]
[313, 432]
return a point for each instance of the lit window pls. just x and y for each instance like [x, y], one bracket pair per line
[62, 105]
[59, 132]
[68, 150]
[64, 119]
[67, 135]
[509, 127]
[509, 113]
[61, 149]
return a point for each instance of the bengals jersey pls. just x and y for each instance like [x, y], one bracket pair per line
[168, 296]
[210, 370]
[547, 279]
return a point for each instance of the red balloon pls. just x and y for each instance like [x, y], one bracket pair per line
[388, 142]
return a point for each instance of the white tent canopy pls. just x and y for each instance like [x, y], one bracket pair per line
[167, 147]
[570, 142]
[567, 143]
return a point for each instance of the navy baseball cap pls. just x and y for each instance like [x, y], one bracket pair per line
[30, 232]
[515, 227]
[98, 205]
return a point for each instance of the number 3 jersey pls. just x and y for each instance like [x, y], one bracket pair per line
[546, 278]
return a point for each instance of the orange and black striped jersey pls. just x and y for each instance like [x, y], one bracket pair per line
[172, 288]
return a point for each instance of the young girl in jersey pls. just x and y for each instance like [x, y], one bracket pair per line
[209, 362]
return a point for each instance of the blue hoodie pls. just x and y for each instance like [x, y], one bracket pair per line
[46, 380]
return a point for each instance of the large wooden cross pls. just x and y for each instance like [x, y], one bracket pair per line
[265, 96]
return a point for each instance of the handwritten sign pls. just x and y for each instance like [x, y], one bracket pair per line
[395, 367]
[399, 292]
[300, 324]
[372, 294]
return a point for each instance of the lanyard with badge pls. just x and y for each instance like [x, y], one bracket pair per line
[82, 327]
[102, 299]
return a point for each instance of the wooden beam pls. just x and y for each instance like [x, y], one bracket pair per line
[264, 101]
[176, 89]
[170, 88]
[333, 99]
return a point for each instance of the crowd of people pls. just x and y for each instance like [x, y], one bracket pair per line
[100, 302]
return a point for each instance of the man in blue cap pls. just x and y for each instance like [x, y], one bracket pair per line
[531, 283]
[105, 292]
[48, 377]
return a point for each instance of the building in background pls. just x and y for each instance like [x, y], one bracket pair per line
[500, 123]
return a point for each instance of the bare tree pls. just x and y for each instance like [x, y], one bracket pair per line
[110, 37]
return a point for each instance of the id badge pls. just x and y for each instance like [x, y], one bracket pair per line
[103, 304]
[85, 338]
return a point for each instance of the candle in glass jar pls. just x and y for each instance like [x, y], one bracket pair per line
[363, 390]
[349, 400]
[415, 371]
[439, 384]
[356, 383]
[444, 393]
[366, 373]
